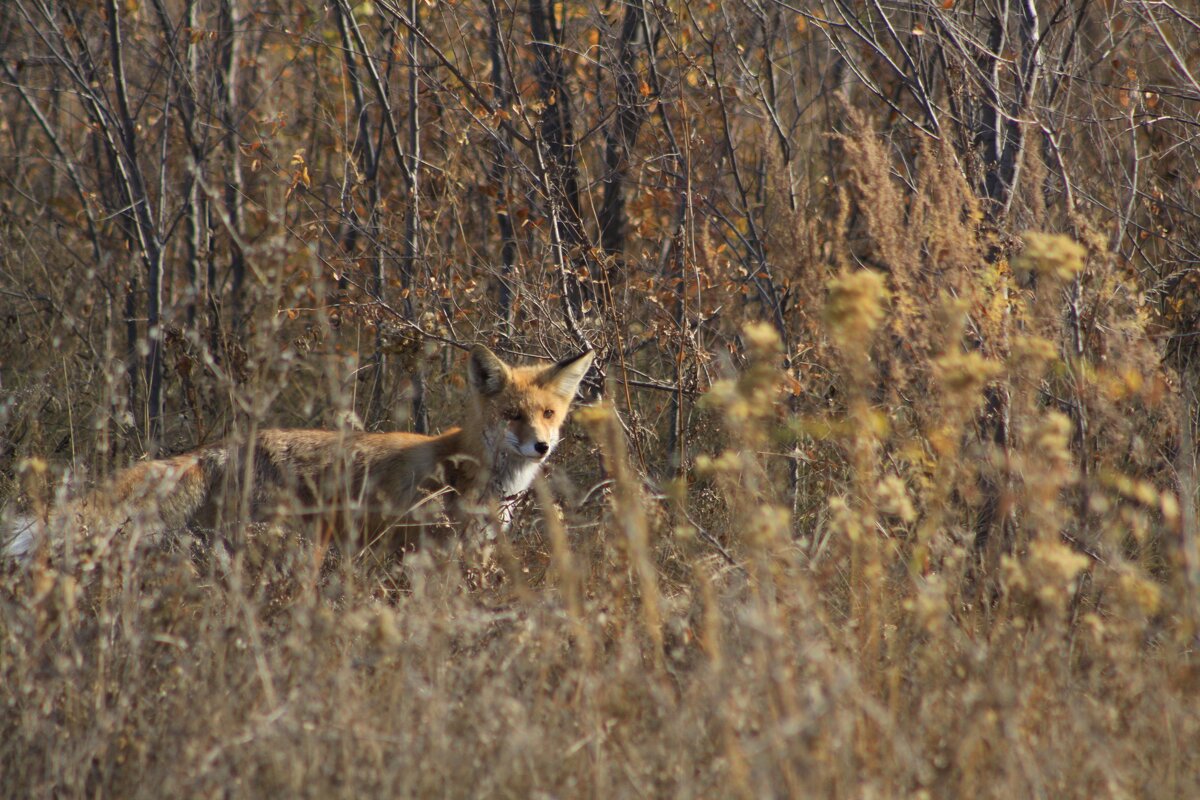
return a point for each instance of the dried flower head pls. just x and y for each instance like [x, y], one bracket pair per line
[762, 339]
[1036, 351]
[964, 374]
[856, 306]
[891, 497]
[1050, 255]
[752, 396]
[768, 524]
[1052, 439]
[1140, 592]
[842, 519]
[1053, 568]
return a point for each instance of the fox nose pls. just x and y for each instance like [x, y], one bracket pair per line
[542, 448]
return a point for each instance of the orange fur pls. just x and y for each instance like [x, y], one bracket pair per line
[369, 484]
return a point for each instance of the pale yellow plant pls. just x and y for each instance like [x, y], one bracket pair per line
[856, 307]
[1050, 255]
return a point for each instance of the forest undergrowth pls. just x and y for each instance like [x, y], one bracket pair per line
[886, 486]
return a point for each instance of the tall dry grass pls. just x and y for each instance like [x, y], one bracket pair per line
[982, 582]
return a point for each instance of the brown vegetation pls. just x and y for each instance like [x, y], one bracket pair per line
[892, 490]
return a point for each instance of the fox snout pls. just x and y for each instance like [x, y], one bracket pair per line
[539, 446]
[529, 444]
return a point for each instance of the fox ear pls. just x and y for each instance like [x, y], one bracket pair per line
[564, 377]
[486, 371]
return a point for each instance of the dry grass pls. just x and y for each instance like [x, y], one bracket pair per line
[869, 655]
[981, 583]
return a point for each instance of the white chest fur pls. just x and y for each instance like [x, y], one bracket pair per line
[511, 474]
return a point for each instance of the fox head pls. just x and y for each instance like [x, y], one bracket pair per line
[521, 409]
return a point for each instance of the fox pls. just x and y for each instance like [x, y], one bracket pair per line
[364, 487]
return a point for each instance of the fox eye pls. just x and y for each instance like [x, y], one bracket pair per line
[512, 415]
[548, 413]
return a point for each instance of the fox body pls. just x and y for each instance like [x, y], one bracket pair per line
[368, 485]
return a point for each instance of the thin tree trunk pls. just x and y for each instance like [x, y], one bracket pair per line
[1189, 553]
[196, 224]
[147, 233]
[497, 174]
[1001, 130]
[132, 356]
[366, 153]
[227, 80]
[557, 167]
[412, 219]
[622, 134]
[194, 214]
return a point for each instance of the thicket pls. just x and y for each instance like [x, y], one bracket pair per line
[887, 484]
